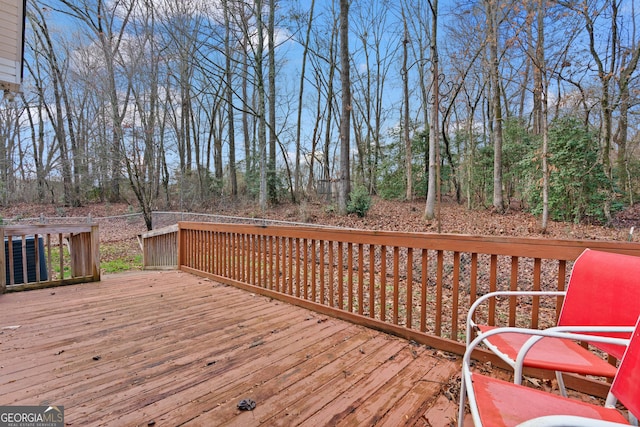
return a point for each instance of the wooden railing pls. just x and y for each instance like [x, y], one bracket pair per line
[160, 248]
[37, 256]
[415, 285]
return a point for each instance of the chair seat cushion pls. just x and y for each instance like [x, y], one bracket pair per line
[503, 403]
[552, 353]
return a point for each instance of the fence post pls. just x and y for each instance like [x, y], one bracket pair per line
[180, 246]
[95, 251]
[3, 265]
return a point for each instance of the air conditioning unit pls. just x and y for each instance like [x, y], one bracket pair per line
[18, 271]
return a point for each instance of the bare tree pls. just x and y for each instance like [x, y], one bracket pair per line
[140, 143]
[433, 190]
[229, 96]
[258, 57]
[61, 122]
[9, 141]
[345, 116]
[305, 53]
[107, 22]
[492, 25]
[405, 103]
[613, 61]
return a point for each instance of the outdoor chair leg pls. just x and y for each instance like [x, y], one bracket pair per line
[561, 387]
[463, 391]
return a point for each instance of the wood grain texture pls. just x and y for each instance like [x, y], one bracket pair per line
[172, 348]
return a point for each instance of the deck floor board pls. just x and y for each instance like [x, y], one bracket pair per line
[169, 348]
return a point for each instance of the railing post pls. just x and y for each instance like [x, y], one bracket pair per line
[179, 246]
[3, 265]
[95, 251]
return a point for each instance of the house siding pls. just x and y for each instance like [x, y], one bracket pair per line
[11, 36]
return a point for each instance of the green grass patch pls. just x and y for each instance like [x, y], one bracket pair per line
[55, 263]
[120, 265]
[119, 257]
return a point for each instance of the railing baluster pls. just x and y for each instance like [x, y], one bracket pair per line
[314, 272]
[372, 281]
[305, 263]
[455, 289]
[321, 266]
[267, 265]
[396, 283]
[493, 277]
[229, 254]
[254, 259]
[350, 275]
[330, 280]
[340, 276]
[360, 278]
[276, 262]
[61, 247]
[535, 313]
[290, 272]
[237, 253]
[562, 277]
[383, 283]
[49, 263]
[245, 258]
[424, 279]
[298, 284]
[11, 261]
[272, 271]
[36, 247]
[473, 280]
[439, 278]
[233, 256]
[409, 298]
[514, 287]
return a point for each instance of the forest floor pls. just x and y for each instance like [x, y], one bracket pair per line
[383, 215]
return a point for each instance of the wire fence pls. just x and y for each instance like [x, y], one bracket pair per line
[121, 227]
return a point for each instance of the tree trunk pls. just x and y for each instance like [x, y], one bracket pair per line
[541, 81]
[262, 120]
[433, 188]
[405, 91]
[494, 72]
[271, 172]
[297, 178]
[345, 124]
[229, 95]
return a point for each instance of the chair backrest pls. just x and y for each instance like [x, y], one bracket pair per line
[603, 290]
[626, 384]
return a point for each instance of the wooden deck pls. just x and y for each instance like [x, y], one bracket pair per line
[170, 348]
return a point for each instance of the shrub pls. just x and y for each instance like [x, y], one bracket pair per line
[578, 184]
[359, 201]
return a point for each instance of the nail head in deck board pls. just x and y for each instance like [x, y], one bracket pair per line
[155, 351]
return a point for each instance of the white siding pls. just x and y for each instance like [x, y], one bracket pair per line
[11, 21]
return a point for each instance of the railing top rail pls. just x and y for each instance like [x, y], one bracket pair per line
[160, 231]
[561, 249]
[21, 230]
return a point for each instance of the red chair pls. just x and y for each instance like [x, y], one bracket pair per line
[603, 291]
[498, 403]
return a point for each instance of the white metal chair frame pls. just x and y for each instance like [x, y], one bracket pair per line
[517, 365]
[466, 387]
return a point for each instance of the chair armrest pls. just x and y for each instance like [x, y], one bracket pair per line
[471, 324]
[567, 421]
[571, 329]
